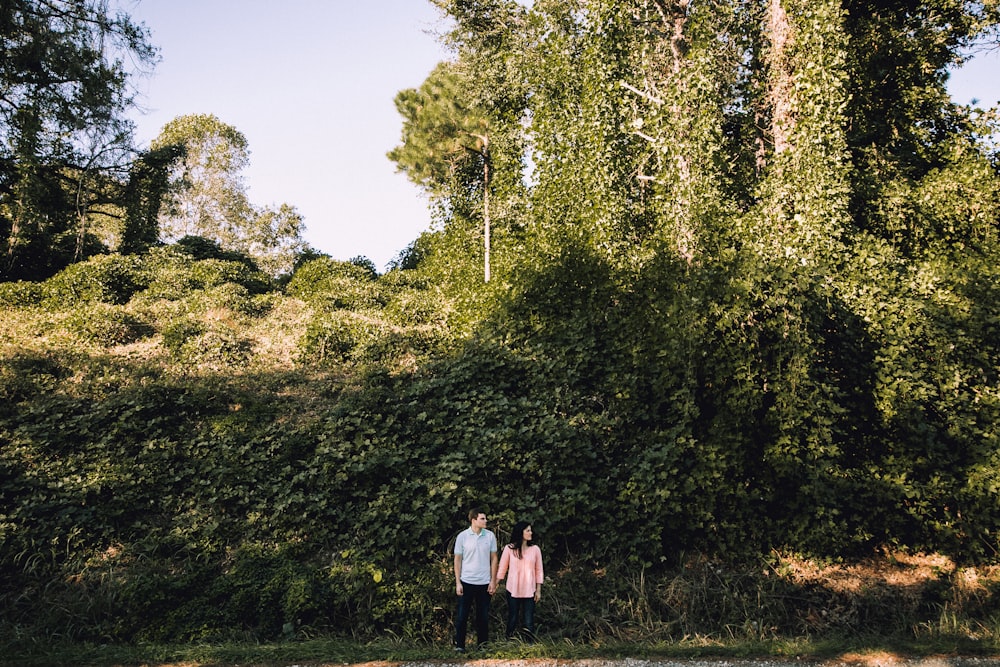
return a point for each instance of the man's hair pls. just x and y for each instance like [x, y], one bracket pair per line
[474, 514]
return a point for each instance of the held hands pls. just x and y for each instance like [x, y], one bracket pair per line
[492, 588]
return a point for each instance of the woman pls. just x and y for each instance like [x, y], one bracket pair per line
[522, 560]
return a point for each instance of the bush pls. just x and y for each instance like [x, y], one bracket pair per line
[199, 248]
[214, 272]
[20, 294]
[169, 274]
[227, 296]
[216, 349]
[413, 307]
[105, 278]
[398, 279]
[179, 332]
[330, 284]
[401, 346]
[331, 339]
[108, 325]
[27, 375]
[172, 274]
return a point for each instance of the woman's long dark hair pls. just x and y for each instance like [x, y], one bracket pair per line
[517, 536]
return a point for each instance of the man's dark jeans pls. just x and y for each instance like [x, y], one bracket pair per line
[515, 606]
[477, 595]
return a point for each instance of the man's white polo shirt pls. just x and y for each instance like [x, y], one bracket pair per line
[475, 551]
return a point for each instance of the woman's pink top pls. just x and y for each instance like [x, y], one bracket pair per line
[525, 572]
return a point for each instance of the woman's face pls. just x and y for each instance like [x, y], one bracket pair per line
[526, 534]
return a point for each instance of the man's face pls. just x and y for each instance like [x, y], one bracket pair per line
[479, 522]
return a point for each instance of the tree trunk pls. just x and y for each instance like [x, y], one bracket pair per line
[486, 214]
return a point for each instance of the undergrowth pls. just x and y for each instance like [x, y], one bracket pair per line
[196, 469]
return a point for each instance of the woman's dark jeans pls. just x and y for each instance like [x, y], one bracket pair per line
[517, 606]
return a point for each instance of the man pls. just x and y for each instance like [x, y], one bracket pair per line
[475, 577]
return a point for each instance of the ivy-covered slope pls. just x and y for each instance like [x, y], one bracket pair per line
[188, 453]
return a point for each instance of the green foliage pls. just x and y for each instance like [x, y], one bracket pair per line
[205, 195]
[109, 279]
[66, 80]
[411, 256]
[144, 192]
[178, 332]
[329, 284]
[200, 247]
[463, 142]
[20, 293]
[737, 316]
[176, 272]
[331, 339]
[414, 307]
[217, 348]
[107, 325]
[366, 264]
[27, 375]
[226, 295]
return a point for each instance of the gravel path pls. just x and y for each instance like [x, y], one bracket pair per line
[879, 660]
[885, 660]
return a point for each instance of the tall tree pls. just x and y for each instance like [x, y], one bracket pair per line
[147, 185]
[446, 145]
[463, 137]
[206, 195]
[751, 224]
[63, 90]
[900, 121]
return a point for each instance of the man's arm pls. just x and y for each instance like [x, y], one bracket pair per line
[493, 572]
[458, 574]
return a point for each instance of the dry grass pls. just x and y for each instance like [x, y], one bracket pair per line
[901, 572]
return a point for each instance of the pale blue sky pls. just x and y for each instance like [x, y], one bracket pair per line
[310, 83]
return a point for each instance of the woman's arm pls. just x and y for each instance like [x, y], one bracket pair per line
[504, 563]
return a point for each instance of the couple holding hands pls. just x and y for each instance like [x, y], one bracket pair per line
[477, 572]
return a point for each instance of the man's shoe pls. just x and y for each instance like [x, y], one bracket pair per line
[459, 649]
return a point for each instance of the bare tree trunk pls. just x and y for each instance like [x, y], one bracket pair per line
[486, 227]
[81, 211]
[486, 213]
[780, 97]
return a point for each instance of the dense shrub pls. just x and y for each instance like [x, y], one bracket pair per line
[331, 339]
[216, 348]
[329, 284]
[214, 272]
[169, 274]
[404, 347]
[25, 375]
[173, 274]
[411, 307]
[200, 248]
[179, 331]
[20, 293]
[107, 325]
[106, 278]
[399, 279]
[226, 296]
[730, 409]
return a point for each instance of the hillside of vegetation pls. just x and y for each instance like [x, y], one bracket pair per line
[192, 453]
[711, 298]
